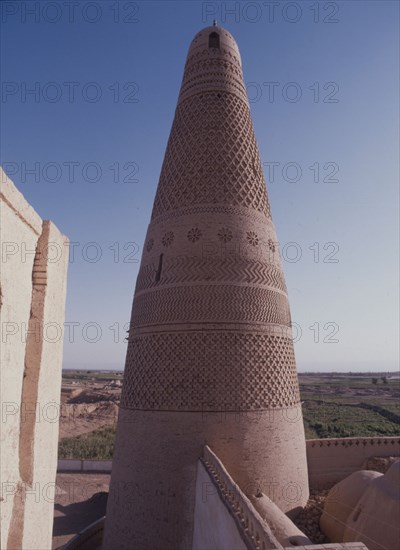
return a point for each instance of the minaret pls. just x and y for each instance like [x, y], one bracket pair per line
[210, 357]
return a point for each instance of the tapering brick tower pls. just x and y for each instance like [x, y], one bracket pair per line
[210, 357]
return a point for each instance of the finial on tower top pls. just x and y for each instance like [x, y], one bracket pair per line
[214, 23]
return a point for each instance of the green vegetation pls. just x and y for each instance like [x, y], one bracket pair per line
[324, 419]
[98, 444]
[79, 375]
[334, 405]
[350, 405]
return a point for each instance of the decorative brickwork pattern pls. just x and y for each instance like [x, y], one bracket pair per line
[212, 156]
[199, 270]
[209, 209]
[39, 274]
[194, 234]
[252, 238]
[218, 74]
[208, 303]
[225, 235]
[168, 239]
[150, 244]
[188, 371]
[348, 442]
[210, 327]
[213, 68]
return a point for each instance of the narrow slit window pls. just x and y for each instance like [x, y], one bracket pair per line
[213, 40]
[159, 270]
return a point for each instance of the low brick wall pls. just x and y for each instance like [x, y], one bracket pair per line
[77, 465]
[331, 460]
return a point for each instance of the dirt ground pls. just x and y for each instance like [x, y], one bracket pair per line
[91, 403]
[87, 407]
[80, 500]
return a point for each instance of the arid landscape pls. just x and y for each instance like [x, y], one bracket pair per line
[334, 405]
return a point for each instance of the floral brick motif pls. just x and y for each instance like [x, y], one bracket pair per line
[168, 239]
[271, 245]
[150, 244]
[252, 238]
[225, 235]
[194, 234]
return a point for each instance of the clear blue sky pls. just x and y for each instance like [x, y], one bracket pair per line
[106, 85]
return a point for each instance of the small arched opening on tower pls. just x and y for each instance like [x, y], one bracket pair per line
[213, 40]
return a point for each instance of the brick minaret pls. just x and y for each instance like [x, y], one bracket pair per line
[210, 357]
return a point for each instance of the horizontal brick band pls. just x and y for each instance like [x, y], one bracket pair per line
[210, 371]
[210, 303]
[180, 270]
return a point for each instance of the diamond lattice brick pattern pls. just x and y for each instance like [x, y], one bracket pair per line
[212, 156]
[210, 371]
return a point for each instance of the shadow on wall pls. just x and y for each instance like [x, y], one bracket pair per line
[79, 515]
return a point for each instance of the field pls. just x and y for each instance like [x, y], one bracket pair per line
[350, 405]
[334, 405]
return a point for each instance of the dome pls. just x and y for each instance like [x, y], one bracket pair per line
[213, 63]
[224, 39]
